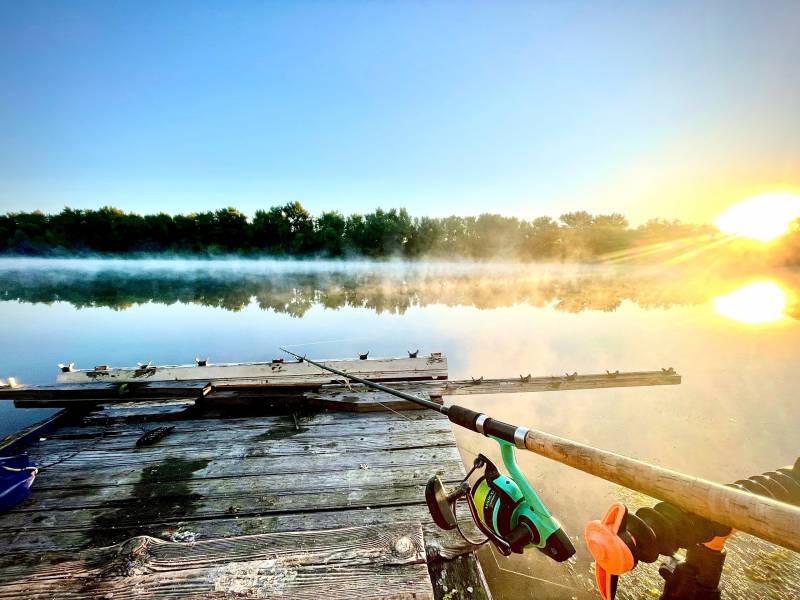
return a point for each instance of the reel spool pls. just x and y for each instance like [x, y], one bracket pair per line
[504, 509]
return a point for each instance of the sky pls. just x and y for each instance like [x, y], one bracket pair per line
[653, 109]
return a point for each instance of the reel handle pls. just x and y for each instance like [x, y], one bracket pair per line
[441, 502]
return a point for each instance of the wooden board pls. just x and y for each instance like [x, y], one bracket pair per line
[433, 366]
[15, 442]
[361, 400]
[377, 562]
[108, 391]
[568, 381]
[522, 384]
[217, 476]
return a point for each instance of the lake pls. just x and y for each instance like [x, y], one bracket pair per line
[733, 336]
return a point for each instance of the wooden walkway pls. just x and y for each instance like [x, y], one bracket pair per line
[324, 503]
[275, 482]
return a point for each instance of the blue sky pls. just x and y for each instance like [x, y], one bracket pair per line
[670, 109]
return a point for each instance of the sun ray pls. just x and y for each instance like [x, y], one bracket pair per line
[651, 249]
[695, 252]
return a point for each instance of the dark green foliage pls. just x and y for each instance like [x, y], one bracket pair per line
[290, 230]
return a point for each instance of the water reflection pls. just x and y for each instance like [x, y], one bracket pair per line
[295, 287]
[755, 303]
[735, 413]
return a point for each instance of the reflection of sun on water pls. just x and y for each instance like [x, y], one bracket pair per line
[763, 217]
[755, 303]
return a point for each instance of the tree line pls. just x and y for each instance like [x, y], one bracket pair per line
[294, 293]
[291, 231]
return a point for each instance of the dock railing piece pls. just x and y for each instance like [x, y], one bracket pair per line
[550, 383]
[277, 372]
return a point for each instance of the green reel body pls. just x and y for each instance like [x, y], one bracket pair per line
[506, 509]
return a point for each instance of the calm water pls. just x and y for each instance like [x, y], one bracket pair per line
[736, 413]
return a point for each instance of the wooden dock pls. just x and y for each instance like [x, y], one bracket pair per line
[295, 488]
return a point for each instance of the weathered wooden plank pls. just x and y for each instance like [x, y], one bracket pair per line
[553, 384]
[297, 449]
[271, 373]
[113, 521]
[108, 391]
[256, 486]
[521, 384]
[15, 442]
[204, 422]
[84, 474]
[107, 404]
[81, 404]
[360, 400]
[458, 577]
[142, 411]
[277, 438]
[369, 562]
[25, 544]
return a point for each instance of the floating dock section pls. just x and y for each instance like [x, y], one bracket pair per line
[259, 481]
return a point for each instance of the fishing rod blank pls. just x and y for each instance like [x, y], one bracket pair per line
[459, 415]
[762, 517]
[506, 510]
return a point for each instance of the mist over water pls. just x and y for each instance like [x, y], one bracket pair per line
[734, 415]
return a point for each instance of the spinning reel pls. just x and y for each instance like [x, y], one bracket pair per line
[621, 539]
[505, 509]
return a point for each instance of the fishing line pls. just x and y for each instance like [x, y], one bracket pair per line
[347, 381]
[78, 451]
[566, 587]
[352, 339]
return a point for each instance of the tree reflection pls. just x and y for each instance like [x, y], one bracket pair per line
[380, 290]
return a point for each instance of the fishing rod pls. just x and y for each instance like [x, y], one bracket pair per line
[506, 510]
[763, 517]
[695, 514]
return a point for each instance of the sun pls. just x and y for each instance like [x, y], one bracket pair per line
[764, 217]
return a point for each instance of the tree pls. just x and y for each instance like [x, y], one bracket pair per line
[425, 235]
[231, 229]
[330, 231]
[608, 233]
[544, 239]
[287, 229]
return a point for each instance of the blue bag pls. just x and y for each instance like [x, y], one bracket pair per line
[16, 478]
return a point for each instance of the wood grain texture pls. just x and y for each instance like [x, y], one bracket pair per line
[209, 421]
[55, 544]
[361, 400]
[15, 442]
[272, 373]
[272, 436]
[219, 477]
[110, 391]
[517, 385]
[367, 561]
[556, 383]
[461, 577]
